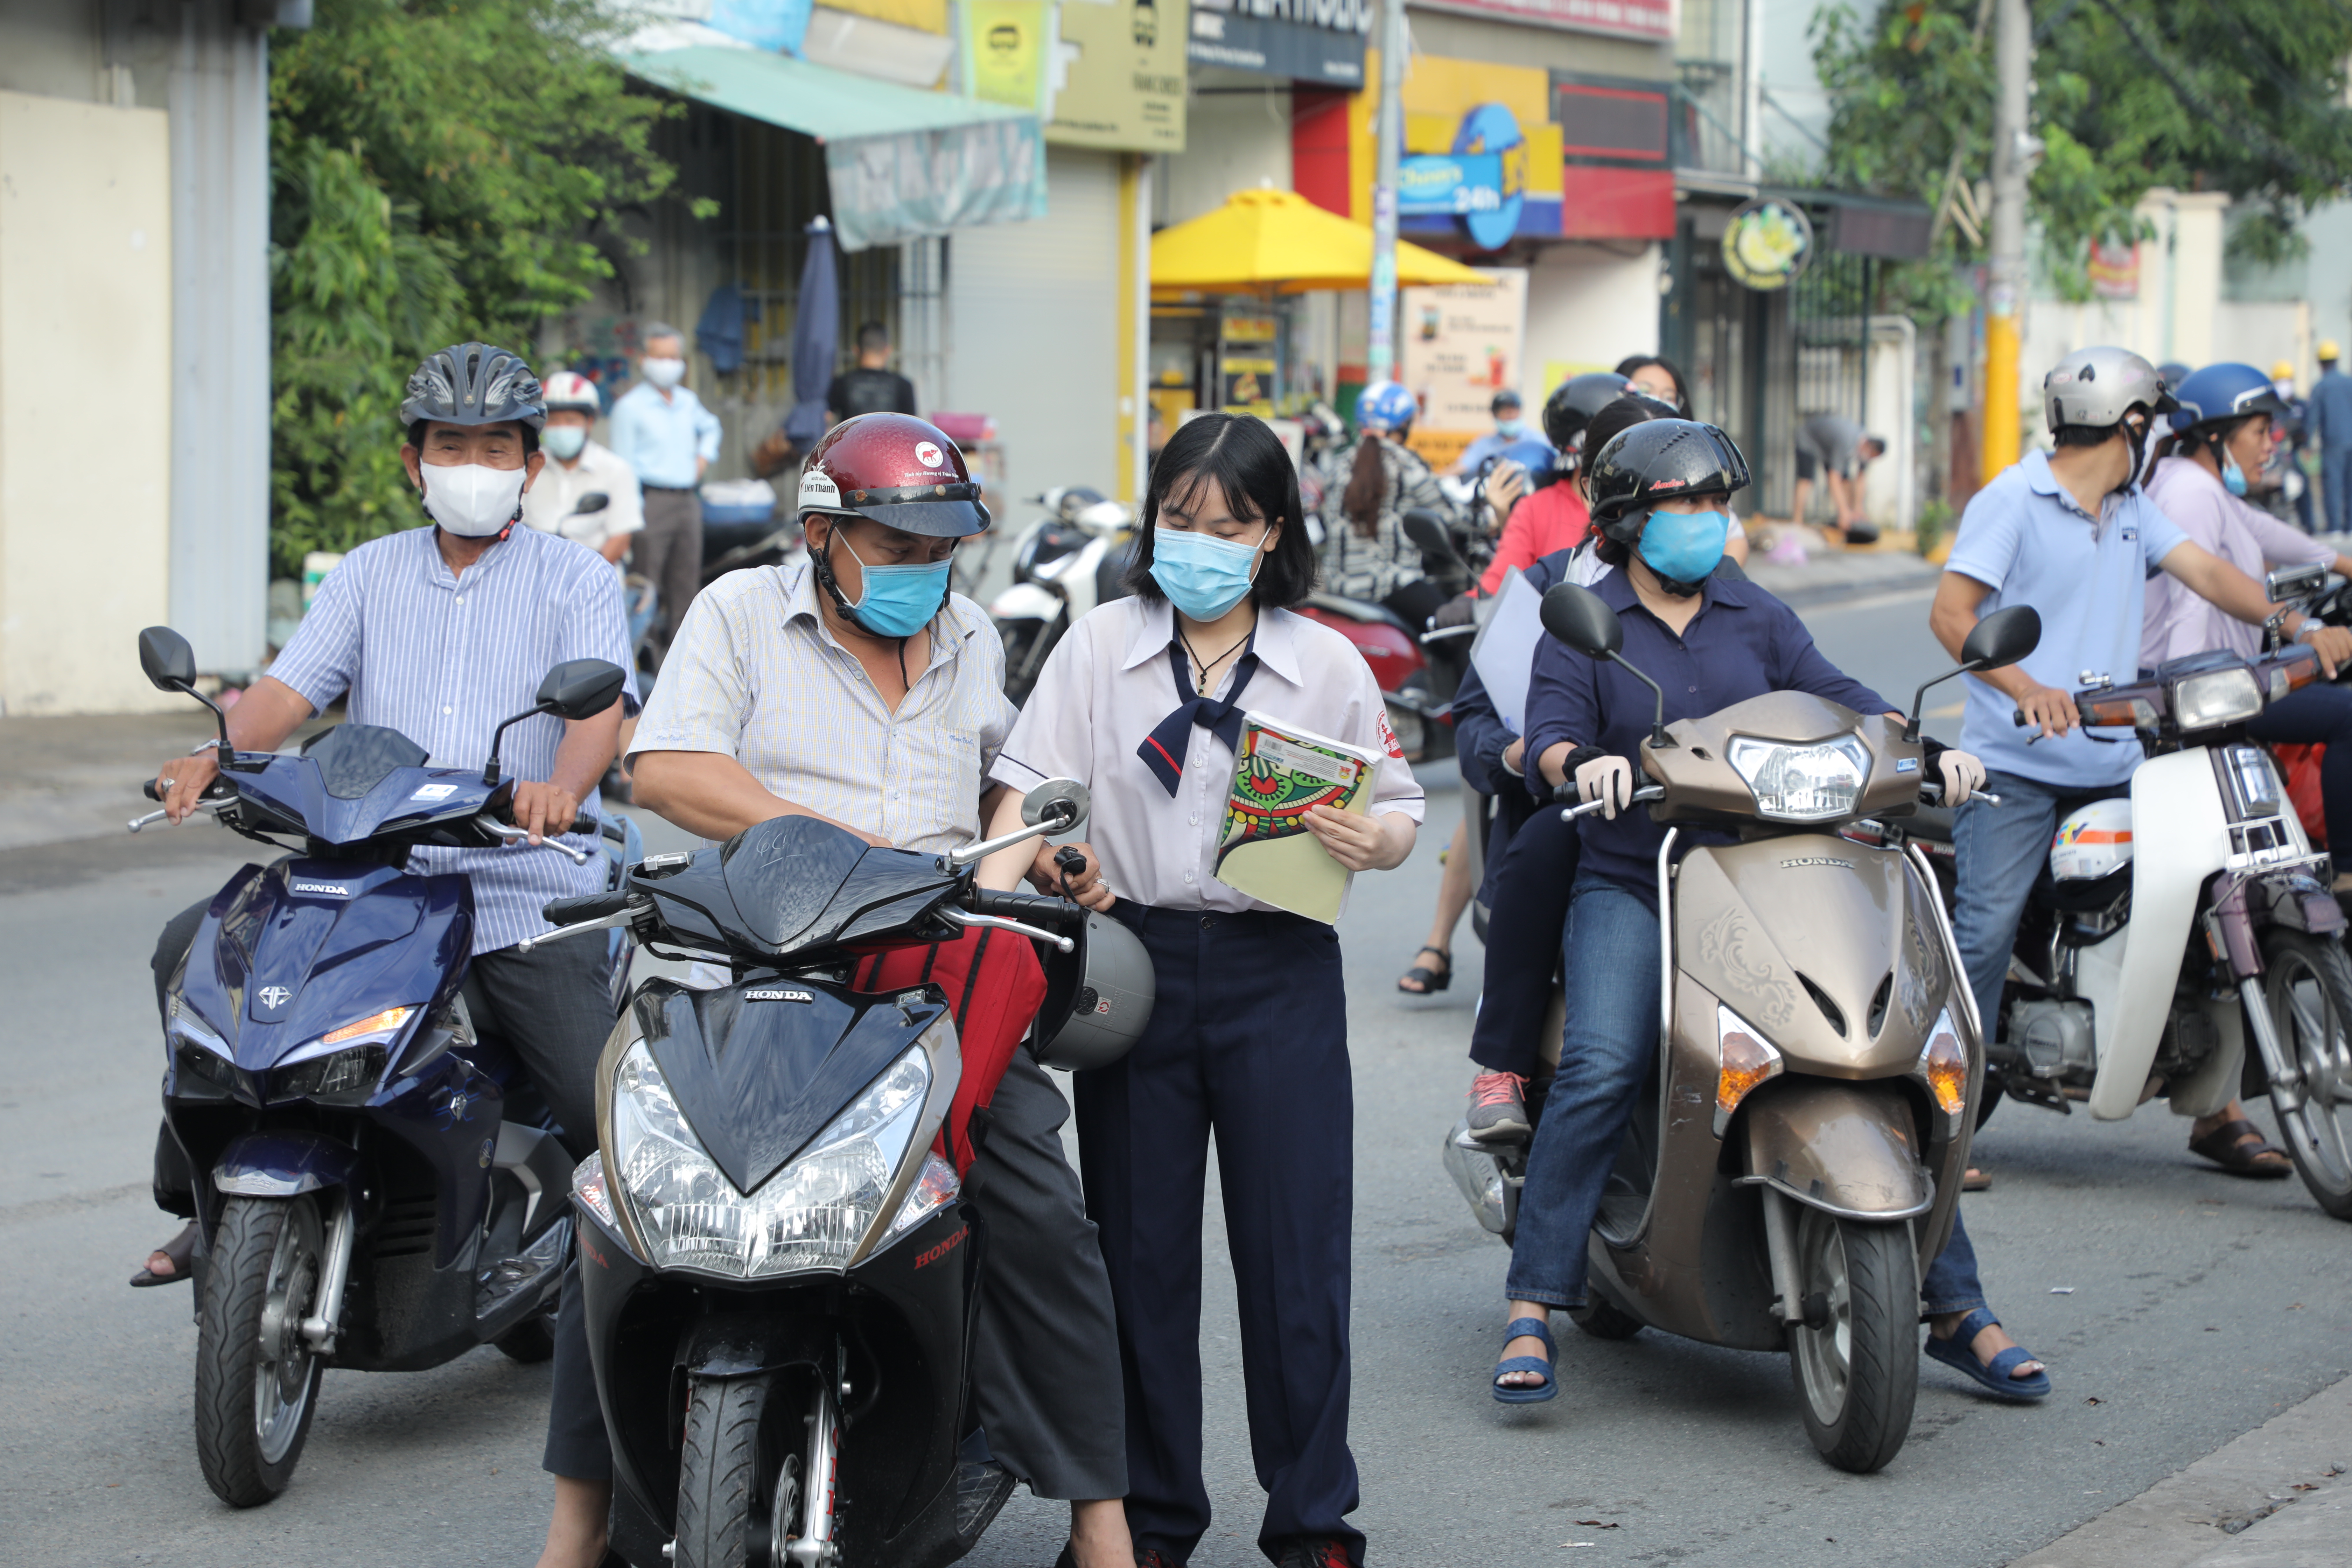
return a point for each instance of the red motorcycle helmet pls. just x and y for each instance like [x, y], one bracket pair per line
[897, 469]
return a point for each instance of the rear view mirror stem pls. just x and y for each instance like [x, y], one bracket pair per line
[1659, 740]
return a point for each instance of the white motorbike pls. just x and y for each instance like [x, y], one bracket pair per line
[2211, 967]
[1068, 561]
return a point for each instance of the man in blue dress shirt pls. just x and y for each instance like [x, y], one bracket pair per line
[665, 433]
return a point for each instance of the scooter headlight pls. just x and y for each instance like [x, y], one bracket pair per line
[1802, 783]
[2216, 698]
[810, 1214]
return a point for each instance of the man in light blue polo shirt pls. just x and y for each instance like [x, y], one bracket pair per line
[2070, 533]
[664, 433]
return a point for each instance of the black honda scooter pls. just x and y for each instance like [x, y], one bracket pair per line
[777, 1270]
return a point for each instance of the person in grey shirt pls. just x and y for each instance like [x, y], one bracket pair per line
[1832, 447]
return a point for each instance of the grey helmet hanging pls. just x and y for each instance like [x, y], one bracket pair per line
[1097, 998]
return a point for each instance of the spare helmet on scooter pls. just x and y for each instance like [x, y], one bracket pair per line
[1097, 998]
[897, 469]
[2093, 842]
[1572, 404]
[1385, 406]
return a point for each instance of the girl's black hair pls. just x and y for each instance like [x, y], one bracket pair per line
[1247, 462]
[1632, 362]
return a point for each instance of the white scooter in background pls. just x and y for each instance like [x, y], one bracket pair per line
[1068, 561]
[2209, 968]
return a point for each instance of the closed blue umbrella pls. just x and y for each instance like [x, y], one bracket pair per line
[817, 337]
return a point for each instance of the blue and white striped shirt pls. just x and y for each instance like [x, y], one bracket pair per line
[443, 661]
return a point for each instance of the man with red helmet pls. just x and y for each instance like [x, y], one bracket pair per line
[858, 689]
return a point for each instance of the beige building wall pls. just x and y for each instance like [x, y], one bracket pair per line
[85, 402]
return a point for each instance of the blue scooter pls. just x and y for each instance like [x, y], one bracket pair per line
[376, 1199]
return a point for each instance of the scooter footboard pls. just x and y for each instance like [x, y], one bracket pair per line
[1847, 1149]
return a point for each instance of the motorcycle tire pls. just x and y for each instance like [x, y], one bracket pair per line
[1857, 1375]
[257, 1380]
[740, 1470]
[2307, 982]
[1989, 1098]
[532, 1341]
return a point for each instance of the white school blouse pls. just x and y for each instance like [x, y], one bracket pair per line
[1110, 683]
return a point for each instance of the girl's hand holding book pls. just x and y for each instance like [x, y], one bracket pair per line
[1359, 842]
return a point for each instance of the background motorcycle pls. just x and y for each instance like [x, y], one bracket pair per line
[777, 1270]
[365, 1199]
[1069, 560]
[1812, 995]
[2211, 967]
[1419, 686]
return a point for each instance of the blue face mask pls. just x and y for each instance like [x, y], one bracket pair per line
[1201, 575]
[1684, 546]
[897, 601]
[2232, 475]
[1510, 429]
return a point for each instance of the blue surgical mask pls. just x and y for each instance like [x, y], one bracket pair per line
[2232, 475]
[1510, 429]
[563, 441]
[1201, 575]
[1684, 546]
[897, 601]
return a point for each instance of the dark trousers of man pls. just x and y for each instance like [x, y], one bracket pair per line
[2319, 716]
[1247, 1041]
[1526, 906]
[670, 551]
[552, 1006]
[2335, 482]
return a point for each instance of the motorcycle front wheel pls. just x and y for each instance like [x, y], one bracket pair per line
[2307, 981]
[755, 1472]
[257, 1376]
[1857, 1372]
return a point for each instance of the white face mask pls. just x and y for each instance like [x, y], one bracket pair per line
[472, 501]
[665, 373]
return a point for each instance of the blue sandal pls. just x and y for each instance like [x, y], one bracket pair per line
[1955, 1353]
[1536, 1393]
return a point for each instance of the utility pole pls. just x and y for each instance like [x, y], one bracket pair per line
[2013, 149]
[1388, 130]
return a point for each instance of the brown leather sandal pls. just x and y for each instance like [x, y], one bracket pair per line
[2227, 1146]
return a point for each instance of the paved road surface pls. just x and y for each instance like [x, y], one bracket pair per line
[2197, 1307]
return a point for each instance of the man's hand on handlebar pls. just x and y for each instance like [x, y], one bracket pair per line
[1085, 885]
[540, 809]
[2049, 708]
[2333, 643]
[181, 781]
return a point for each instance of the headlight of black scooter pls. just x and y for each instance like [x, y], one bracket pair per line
[198, 1053]
[347, 1075]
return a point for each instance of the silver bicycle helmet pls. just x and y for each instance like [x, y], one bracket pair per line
[474, 383]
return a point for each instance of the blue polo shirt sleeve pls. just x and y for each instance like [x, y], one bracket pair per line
[1563, 704]
[1992, 530]
[706, 433]
[2159, 536]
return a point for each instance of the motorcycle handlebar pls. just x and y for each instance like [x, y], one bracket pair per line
[585, 907]
[1034, 908]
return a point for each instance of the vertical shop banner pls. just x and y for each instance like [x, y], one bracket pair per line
[1118, 75]
[1005, 43]
[891, 189]
[1248, 348]
[1461, 344]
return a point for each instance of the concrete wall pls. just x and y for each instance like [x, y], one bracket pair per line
[85, 402]
[1236, 137]
[1588, 307]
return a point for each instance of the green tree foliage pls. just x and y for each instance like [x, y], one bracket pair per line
[441, 170]
[2242, 96]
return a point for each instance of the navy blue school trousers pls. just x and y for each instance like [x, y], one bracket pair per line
[1527, 908]
[1248, 1040]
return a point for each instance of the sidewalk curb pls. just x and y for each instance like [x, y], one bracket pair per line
[2238, 1506]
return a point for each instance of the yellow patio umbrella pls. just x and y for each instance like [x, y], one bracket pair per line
[1280, 240]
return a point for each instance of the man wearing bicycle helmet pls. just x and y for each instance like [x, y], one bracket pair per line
[557, 502]
[441, 632]
[859, 689]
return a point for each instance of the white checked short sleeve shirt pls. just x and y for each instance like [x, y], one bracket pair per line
[1110, 683]
[756, 675]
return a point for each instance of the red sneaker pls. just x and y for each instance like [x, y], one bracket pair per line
[1497, 1113]
[1307, 1553]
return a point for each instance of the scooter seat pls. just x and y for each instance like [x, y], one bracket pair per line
[1360, 610]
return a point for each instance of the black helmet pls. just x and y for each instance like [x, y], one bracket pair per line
[1574, 402]
[1658, 460]
[474, 383]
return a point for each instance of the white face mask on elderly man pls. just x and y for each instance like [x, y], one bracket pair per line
[470, 499]
[665, 373]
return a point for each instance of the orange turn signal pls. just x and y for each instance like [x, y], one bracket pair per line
[389, 1019]
[1946, 1065]
[1743, 1060]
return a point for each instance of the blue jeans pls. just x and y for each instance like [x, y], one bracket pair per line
[1610, 955]
[2336, 478]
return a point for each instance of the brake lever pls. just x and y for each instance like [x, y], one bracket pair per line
[1646, 794]
[547, 841]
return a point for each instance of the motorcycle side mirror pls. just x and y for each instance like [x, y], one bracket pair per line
[1059, 804]
[169, 665]
[576, 688]
[2295, 582]
[1427, 531]
[592, 502]
[1583, 620]
[1999, 639]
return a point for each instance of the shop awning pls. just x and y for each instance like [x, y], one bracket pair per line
[903, 163]
[1280, 240]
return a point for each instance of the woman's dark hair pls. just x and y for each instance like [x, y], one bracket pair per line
[1615, 419]
[1246, 461]
[1632, 362]
[1367, 485]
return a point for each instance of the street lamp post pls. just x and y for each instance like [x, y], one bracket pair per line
[1388, 130]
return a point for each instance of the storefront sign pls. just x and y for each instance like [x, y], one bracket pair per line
[1006, 42]
[1247, 347]
[1767, 244]
[2115, 271]
[1119, 75]
[891, 189]
[1482, 182]
[1319, 41]
[1462, 345]
[1654, 20]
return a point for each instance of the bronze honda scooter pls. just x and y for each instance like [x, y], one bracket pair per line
[1795, 1163]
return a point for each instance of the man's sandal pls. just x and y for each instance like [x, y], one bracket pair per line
[2227, 1147]
[1955, 1354]
[1431, 980]
[180, 1249]
[1532, 1394]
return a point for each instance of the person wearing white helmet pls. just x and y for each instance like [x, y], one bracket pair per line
[582, 468]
